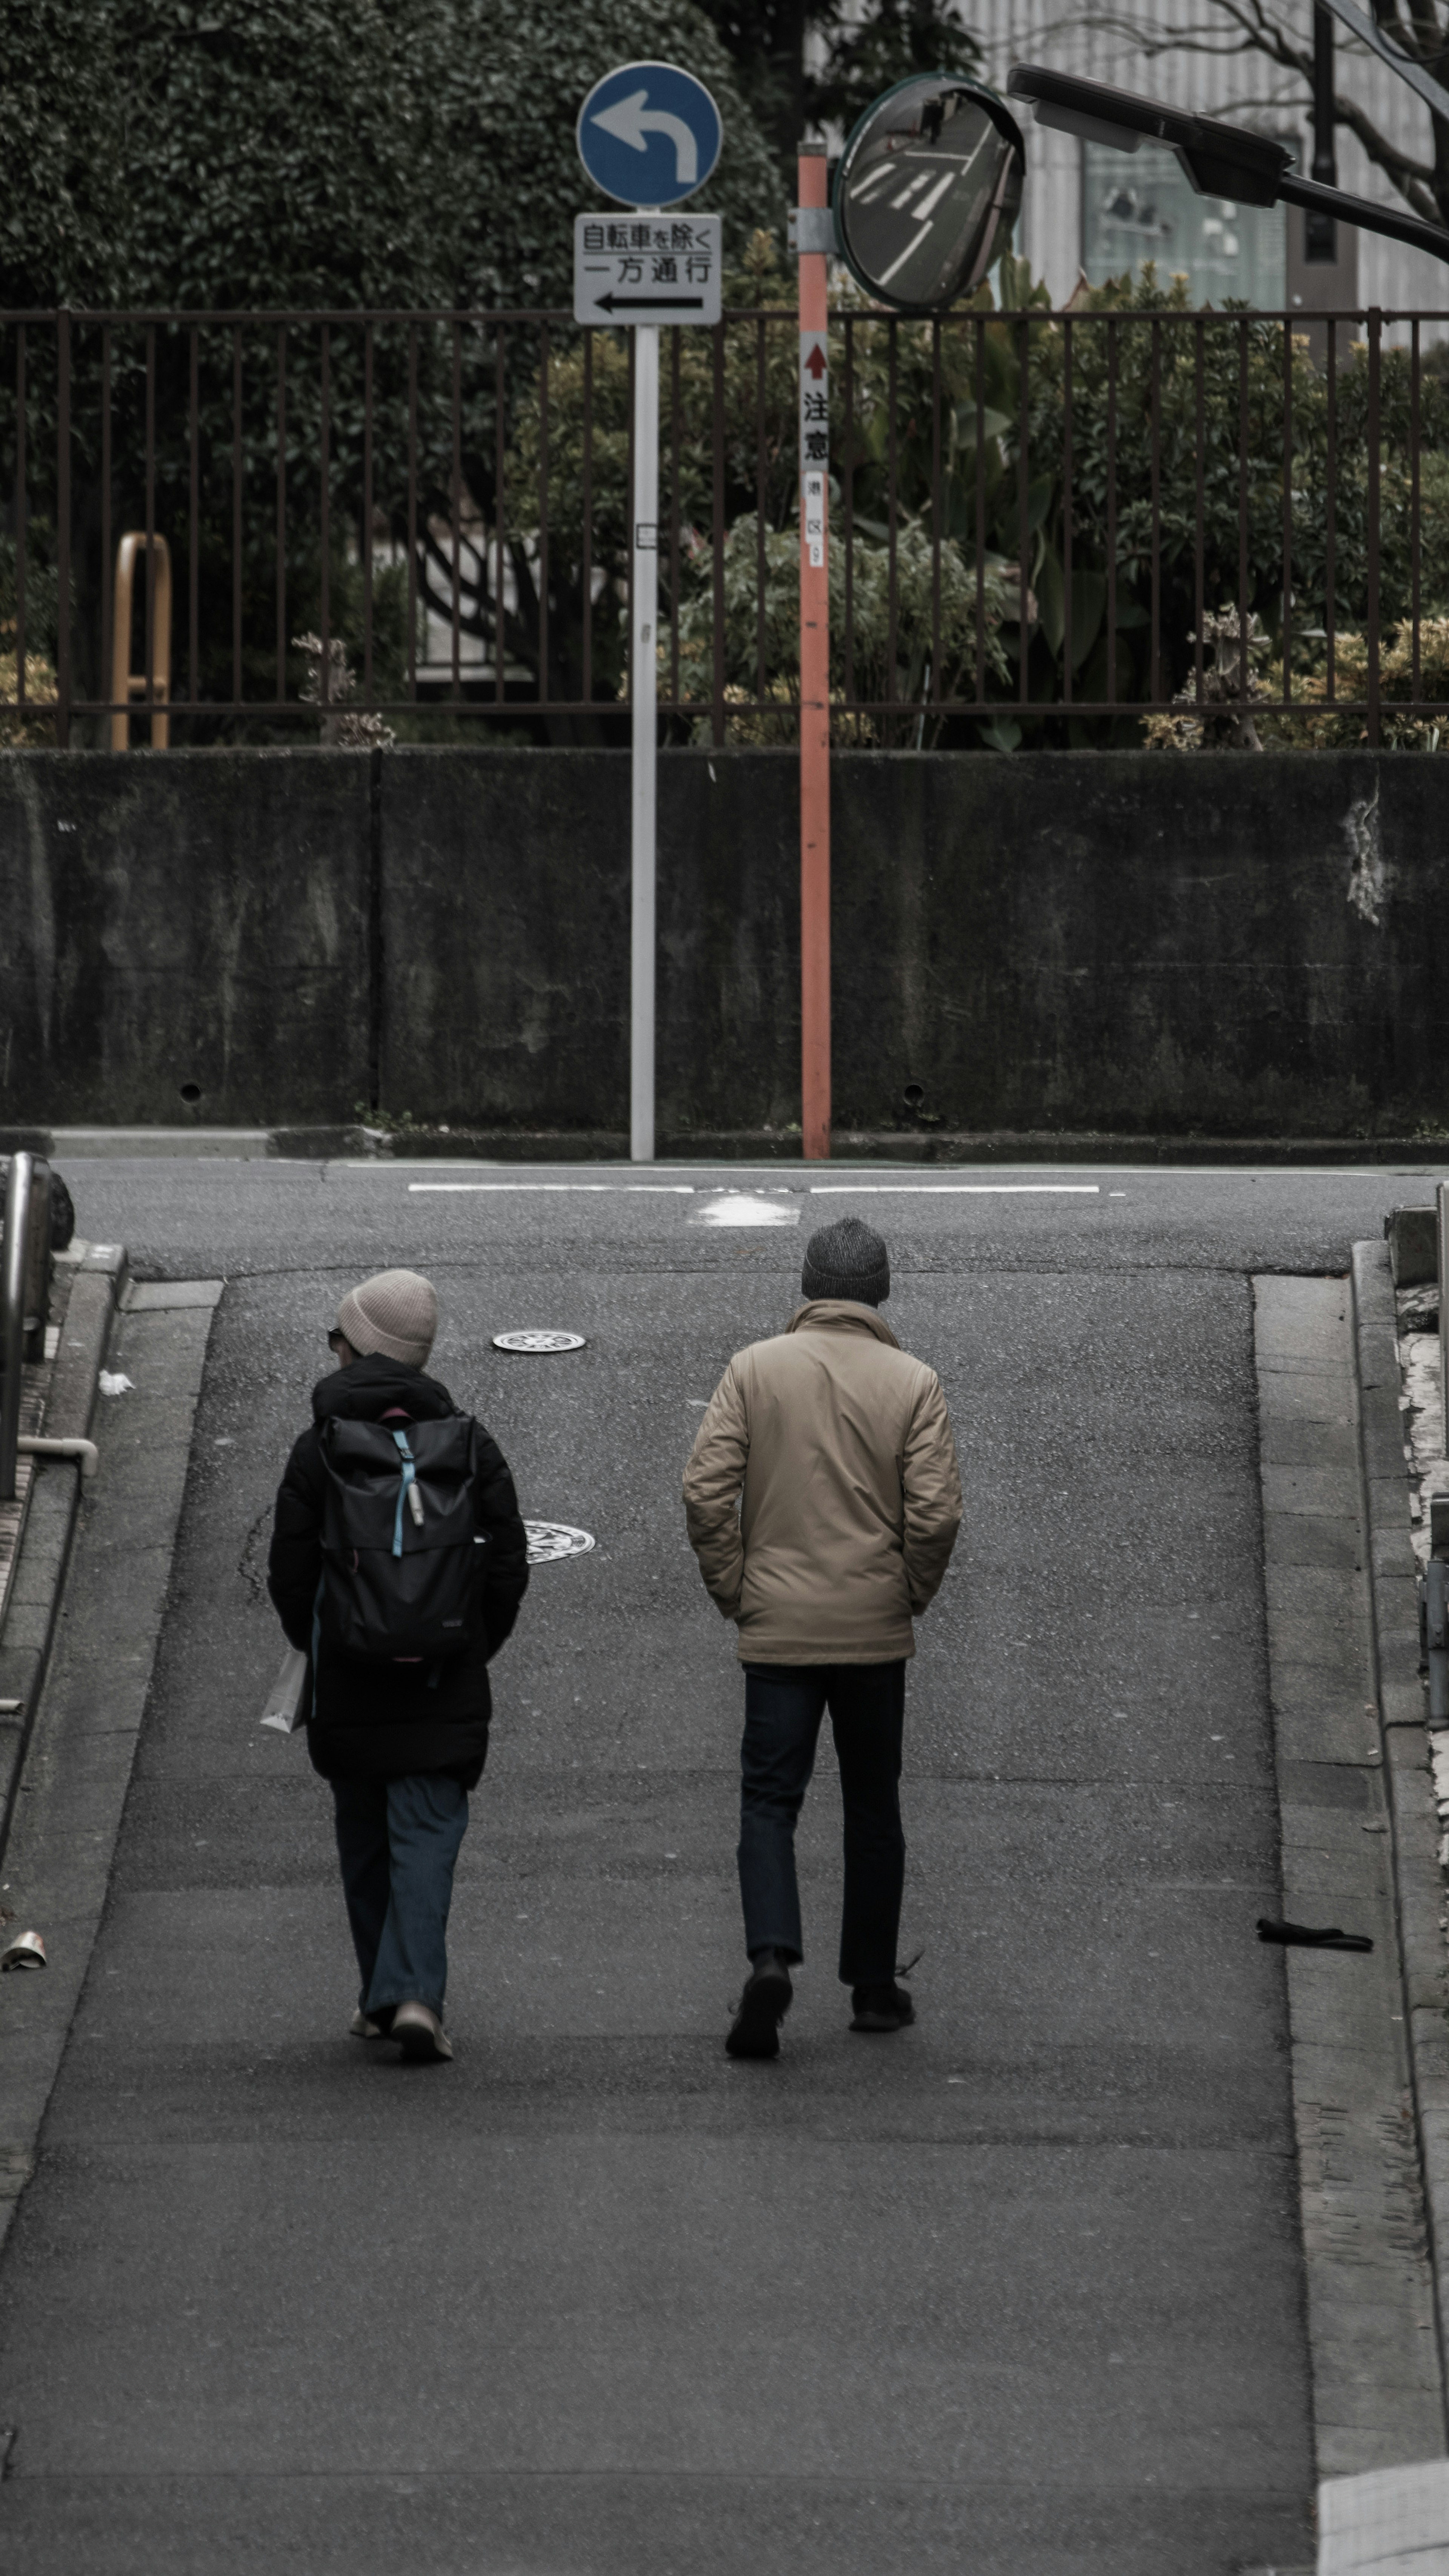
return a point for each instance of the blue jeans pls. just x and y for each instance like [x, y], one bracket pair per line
[784, 1706]
[398, 1843]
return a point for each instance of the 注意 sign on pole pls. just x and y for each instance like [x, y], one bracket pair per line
[814, 659]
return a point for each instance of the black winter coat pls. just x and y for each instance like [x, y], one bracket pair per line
[380, 1721]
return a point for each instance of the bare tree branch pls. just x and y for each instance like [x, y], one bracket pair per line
[1241, 28]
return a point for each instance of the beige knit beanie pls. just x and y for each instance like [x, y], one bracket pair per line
[395, 1314]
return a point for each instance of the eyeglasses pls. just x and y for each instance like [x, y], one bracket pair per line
[335, 1338]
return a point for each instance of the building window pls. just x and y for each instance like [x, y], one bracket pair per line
[1138, 206]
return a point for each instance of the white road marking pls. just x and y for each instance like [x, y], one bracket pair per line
[929, 204]
[742, 1207]
[956, 1189]
[550, 1540]
[641, 1189]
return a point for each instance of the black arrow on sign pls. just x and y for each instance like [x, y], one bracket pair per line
[650, 303]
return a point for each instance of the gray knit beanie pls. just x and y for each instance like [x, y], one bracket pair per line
[394, 1314]
[847, 1259]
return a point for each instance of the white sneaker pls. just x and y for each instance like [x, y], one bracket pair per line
[361, 2028]
[420, 2034]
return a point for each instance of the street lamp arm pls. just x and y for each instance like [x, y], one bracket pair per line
[1219, 159]
[1369, 218]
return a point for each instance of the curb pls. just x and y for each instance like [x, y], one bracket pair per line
[905, 1146]
[90, 1669]
[1394, 1624]
[32, 1601]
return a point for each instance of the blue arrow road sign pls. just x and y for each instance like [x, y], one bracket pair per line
[649, 134]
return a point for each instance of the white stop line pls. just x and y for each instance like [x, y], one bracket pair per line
[956, 1189]
[815, 1190]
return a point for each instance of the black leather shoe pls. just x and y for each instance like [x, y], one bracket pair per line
[768, 1995]
[886, 2007]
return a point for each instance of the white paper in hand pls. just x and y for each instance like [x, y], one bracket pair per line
[284, 1700]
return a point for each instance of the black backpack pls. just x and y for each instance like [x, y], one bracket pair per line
[400, 1552]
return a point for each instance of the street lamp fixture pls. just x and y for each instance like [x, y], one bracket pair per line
[1218, 159]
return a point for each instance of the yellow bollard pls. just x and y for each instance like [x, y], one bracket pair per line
[127, 684]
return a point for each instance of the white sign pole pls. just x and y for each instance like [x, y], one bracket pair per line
[644, 691]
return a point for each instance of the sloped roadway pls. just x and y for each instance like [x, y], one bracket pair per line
[1019, 2291]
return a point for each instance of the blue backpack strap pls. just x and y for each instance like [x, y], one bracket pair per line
[409, 1476]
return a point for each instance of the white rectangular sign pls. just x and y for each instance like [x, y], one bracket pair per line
[647, 268]
[814, 485]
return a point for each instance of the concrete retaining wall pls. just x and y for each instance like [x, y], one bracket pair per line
[1231, 944]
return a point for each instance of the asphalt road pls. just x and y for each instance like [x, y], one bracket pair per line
[1019, 2291]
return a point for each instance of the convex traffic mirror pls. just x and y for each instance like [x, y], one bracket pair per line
[928, 191]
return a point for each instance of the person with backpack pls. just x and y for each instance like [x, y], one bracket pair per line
[822, 1499]
[398, 1561]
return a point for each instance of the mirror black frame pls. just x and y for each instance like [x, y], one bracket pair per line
[1000, 238]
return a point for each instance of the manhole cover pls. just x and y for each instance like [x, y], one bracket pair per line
[548, 1540]
[538, 1342]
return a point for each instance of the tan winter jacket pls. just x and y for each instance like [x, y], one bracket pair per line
[841, 1445]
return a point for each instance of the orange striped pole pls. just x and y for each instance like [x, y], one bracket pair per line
[814, 666]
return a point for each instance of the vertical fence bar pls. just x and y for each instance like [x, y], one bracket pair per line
[325, 518]
[500, 504]
[1023, 493]
[108, 676]
[717, 335]
[980, 510]
[543, 467]
[760, 502]
[1375, 343]
[1287, 507]
[1112, 511]
[892, 512]
[934, 690]
[62, 514]
[150, 683]
[1156, 408]
[413, 511]
[1067, 529]
[367, 513]
[236, 523]
[1330, 518]
[193, 523]
[1244, 603]
[20, 514]
[847, 486]
[1415, 521]
[676, 505]
[589, 516]
[281, 582]
[1199, 505]
[456, 481]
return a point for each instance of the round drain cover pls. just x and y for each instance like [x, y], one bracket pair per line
[538, 1341]
[548, 1540]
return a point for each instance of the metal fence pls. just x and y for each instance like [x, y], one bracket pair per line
[1045, 527]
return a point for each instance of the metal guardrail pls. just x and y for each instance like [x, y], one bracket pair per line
[24, 1296]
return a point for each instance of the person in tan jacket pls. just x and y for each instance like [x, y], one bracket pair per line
[822, 1499]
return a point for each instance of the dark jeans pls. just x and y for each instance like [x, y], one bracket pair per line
[784, 1704]
[398, 1842]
